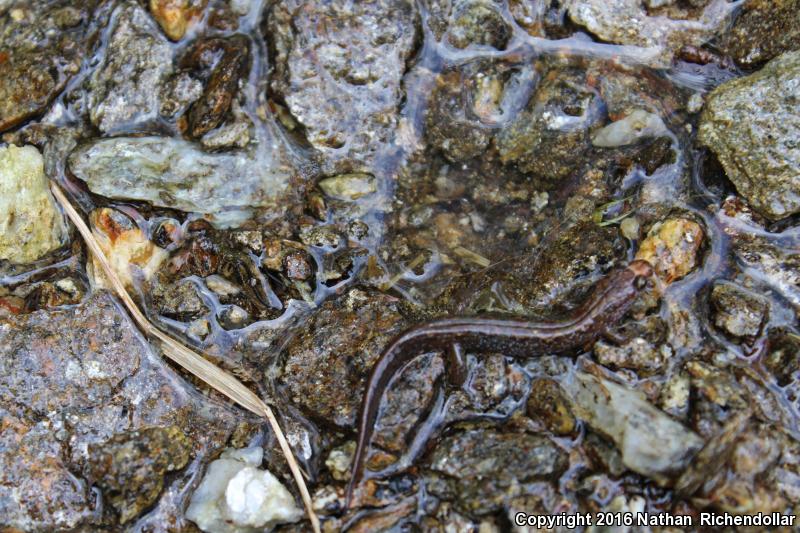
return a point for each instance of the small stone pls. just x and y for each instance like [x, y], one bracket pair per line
[130, 467]
[348, 186]
[764, 30]
[236, 496]
[233, 317]
[651, 442]
[222, 286]
[30, 223]
[176, 16]
[751, 124]
[125, 246]
[636, 354]
[298, 266]
[738, 311]
[672, 248]
[638, 125]
[125, 88]
[548, 404]
[339, 460]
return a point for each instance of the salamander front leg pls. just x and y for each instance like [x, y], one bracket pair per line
[457, 365]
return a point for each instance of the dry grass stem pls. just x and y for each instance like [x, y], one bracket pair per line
[188, 359]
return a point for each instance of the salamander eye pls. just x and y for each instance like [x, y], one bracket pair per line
[640, 282]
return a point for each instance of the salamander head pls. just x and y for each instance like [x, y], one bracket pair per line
[641, 268]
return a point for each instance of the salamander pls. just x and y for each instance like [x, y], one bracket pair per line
[610, 300]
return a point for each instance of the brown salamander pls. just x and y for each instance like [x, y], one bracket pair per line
[610, 300]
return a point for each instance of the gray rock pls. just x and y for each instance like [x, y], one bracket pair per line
[651, 442]
[737, 310]
[71, 379]
[752, 125]
[125, 88]
[175, 173]
[343, 83]
[486, 468]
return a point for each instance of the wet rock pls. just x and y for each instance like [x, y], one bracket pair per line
[639, 124]
[672, 247]
[227, 59]
[348, 186]
[636, 354]
[176, 16]
[158, 169]
[30, 223]
[124, 89]
[737, 310]
[73, 378]
[478, 22]
[777, 266]
[548, 404]
[343, 84]
[339, 460]
[128, 250]
[41, 48]
[764, 30]
[486, 468]
[327, 362]
[130, 467]
[751, 125]
[236, 496]
[557, 121]
[651, 442]
[628, 22]
[37, 494]
[178, 301]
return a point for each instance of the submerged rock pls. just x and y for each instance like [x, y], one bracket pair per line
[672, 247]
[343, 84]
[638, 125]
[486, 468]
[737, 310]
[651, 442]
[330, 358]
[177, 16]
[764, 30]
[125, 246]
[236, 496]
[628, 22]
[752, 125]
[41, 48]
[30, 223]
[130, 467]
[125, 88]
[175, 173]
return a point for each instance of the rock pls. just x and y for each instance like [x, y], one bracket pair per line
[228, 186]
[737, 310]
[751, 124]
[176, 16]
[124, 90]
[41, 48]
[557, 121]
[636, 354]
[486, 468]
[236, 496]
[70, 379]
[125, 246]
[348, 186]
[30, 223]
[343, 84]
[639, 124]
[672, 248]
[478, 22]
[548, 404]
[228, 60]
[764, 30]
[327, 363]
[130, 467]
[651, 443]
[628, 22]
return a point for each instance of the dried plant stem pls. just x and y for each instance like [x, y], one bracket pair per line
[189, 359]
